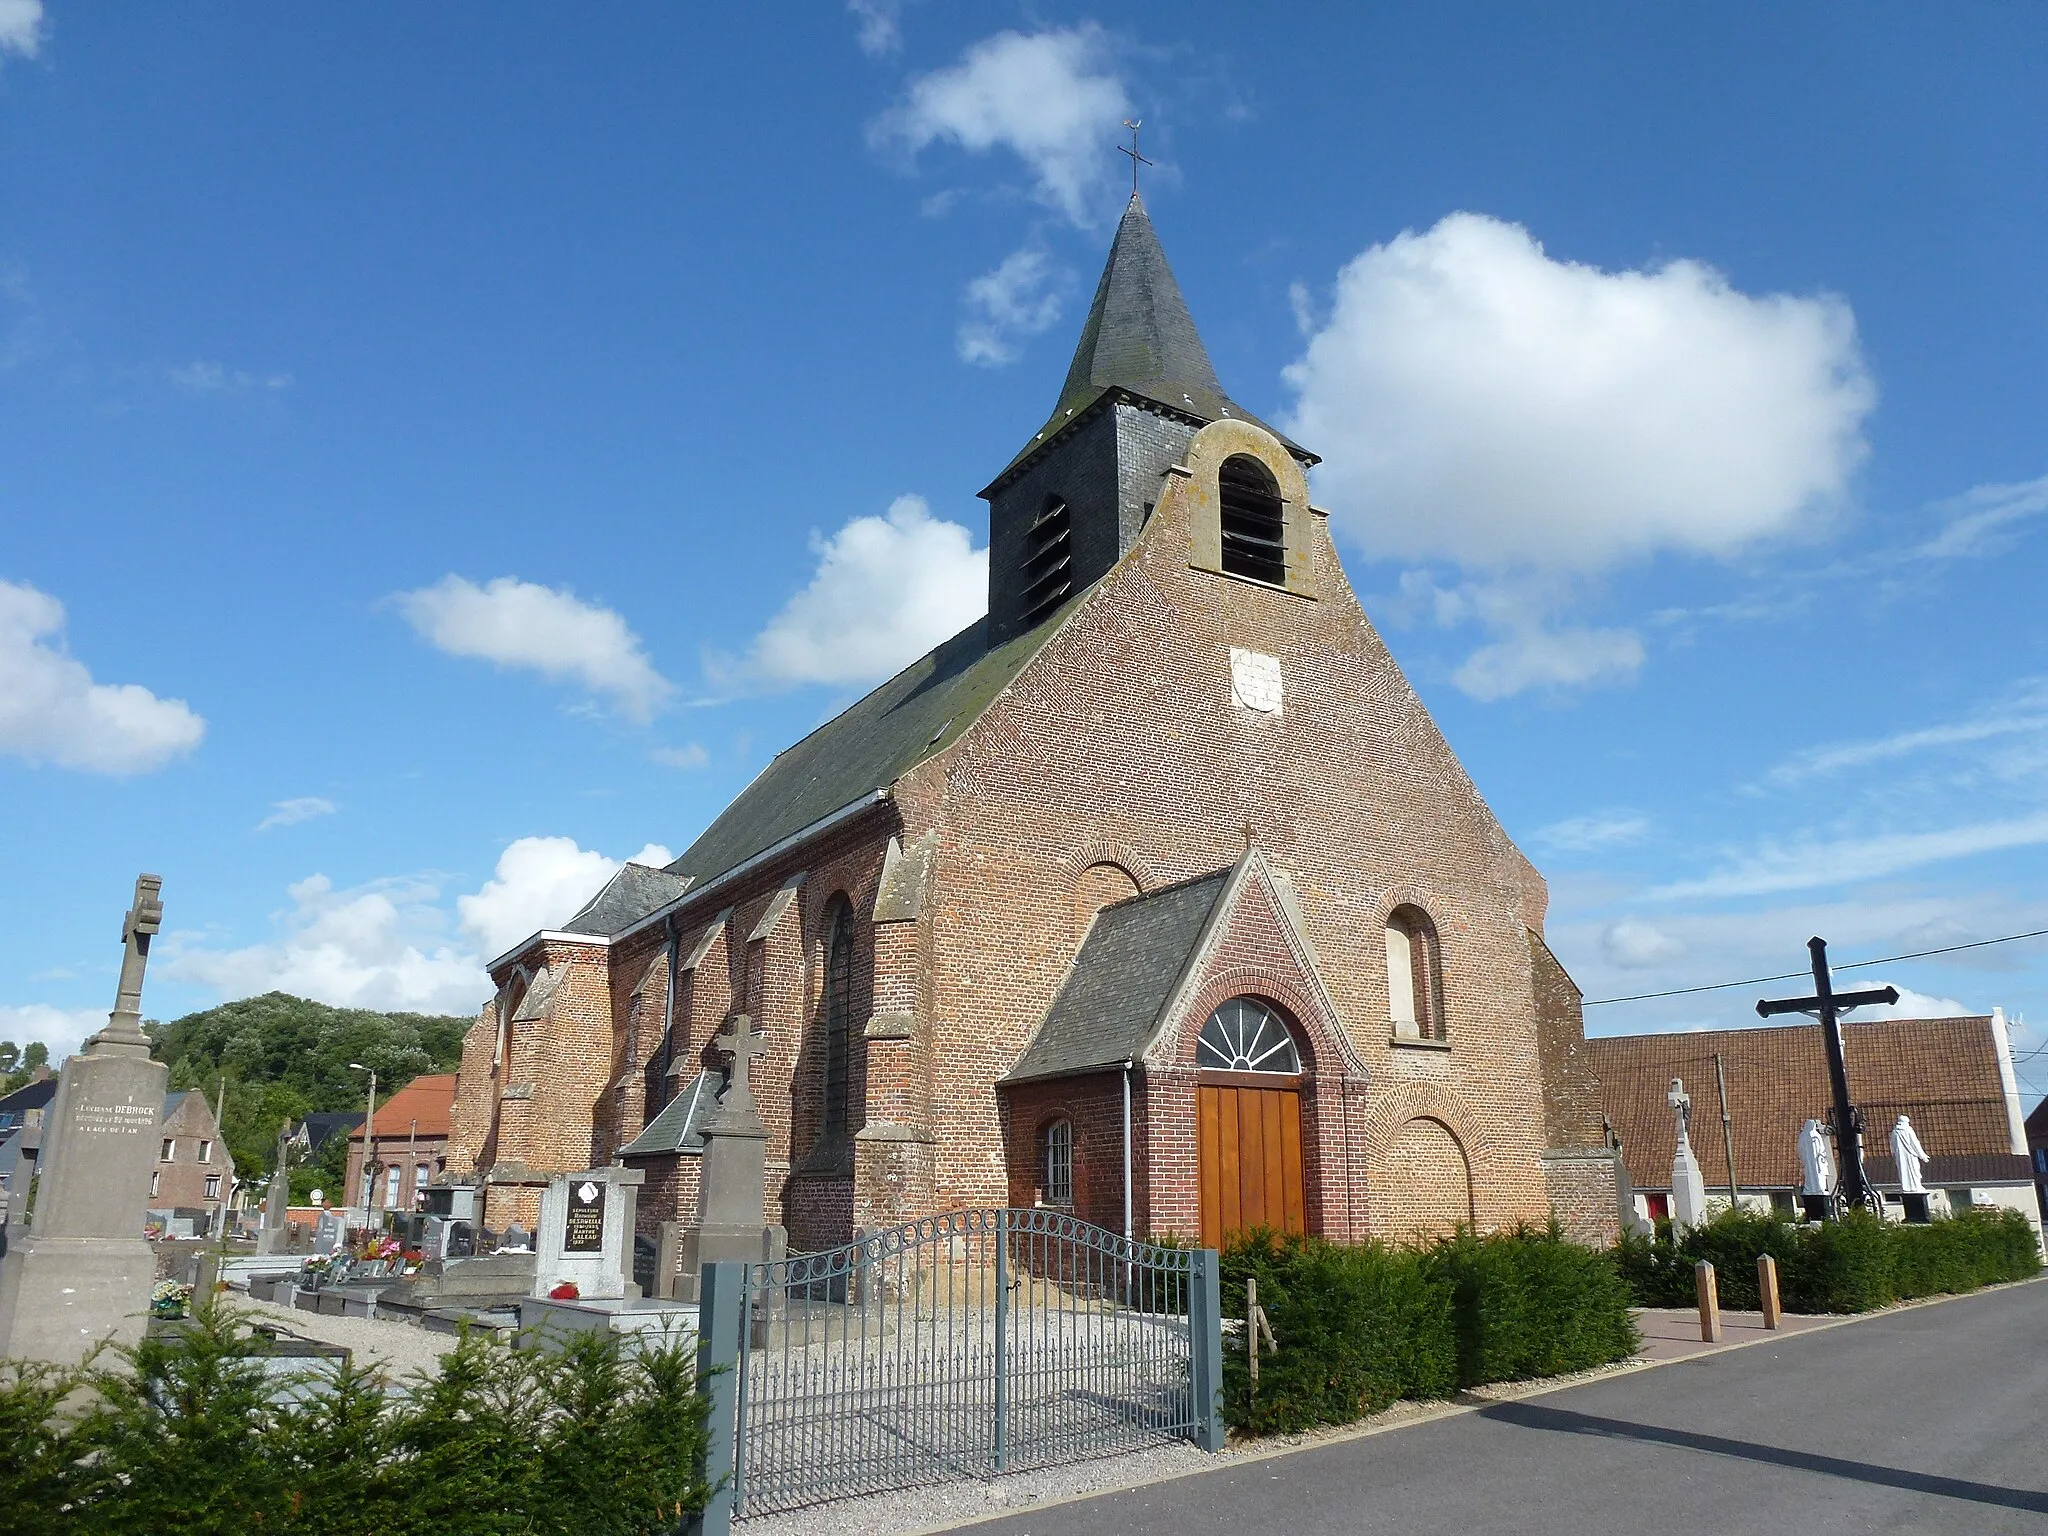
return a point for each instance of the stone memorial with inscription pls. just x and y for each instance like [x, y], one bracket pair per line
[276, 1234]
[1688, 1185]
[84, 1272]
[732, 1190]
[586, 1234]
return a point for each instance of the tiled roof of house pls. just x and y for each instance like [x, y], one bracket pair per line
[28, 1096]
[324, 1123]
[1111, 999]
[2037, 1121]
[429, 1101]
[1943, 1073]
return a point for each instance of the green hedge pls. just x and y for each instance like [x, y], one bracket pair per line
[1848, 1266]
[1362, 1327]
[186, 1433]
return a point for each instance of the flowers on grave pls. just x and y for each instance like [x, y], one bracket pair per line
[566, 1291]
[168, 1298]
[376, 1248]
[152, 1230]
[318, 1264]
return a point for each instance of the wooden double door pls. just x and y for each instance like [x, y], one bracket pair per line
[1248, 1137]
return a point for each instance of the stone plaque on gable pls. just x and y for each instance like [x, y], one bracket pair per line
[583, 1227]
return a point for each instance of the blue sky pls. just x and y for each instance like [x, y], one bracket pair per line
[444, 452]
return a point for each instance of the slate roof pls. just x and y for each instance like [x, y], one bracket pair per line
[1110, 1002]
[628, 896]
[35, 1095]
[675, 1129]
[867, 747]
[1140, 338]
[323, 1124]
[1943, 1073]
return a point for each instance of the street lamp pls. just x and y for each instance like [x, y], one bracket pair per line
[369, 1136]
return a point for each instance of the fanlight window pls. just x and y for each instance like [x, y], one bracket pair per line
[1244, 1035]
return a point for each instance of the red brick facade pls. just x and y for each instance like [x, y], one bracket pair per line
[1117, 760]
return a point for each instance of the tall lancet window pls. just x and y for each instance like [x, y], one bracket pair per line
[838, 1014]
[1254, 520]
[1415, 985]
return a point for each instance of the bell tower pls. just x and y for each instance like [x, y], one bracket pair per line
[1140, 386]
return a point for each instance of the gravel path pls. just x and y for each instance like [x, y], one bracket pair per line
[402, 1347]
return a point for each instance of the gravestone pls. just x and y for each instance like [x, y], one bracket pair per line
[1688, 1185]
[331, 1235]
[84, 1273]
[276, 1234]
[586, 1234]
[733, 1178]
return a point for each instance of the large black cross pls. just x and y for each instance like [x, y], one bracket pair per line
[1828, 1005]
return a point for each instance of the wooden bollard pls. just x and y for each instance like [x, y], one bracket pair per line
[1710, 1302]
[1767, 1287]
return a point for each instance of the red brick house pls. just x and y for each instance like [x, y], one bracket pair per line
[407, 1147]
[1154, 891]
[193, 1169]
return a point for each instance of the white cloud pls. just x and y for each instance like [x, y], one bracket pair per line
[202, 378]
[2024, 714]
[63, 1030]
[1980, 521]
[521, 624]
[390, 943]
[1634, 945]
[881, 25]
[382, 945]
[887, 589]
[1583, 834]
[1809, 863]
[541, 882]
[1911, 1004]
[1020, 298]
[690, 754]
[289, 813]
[1052, 98]
[1482, 403]
[52, 711]
[21, 27]
[1549, 658]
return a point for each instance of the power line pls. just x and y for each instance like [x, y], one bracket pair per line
[1757, 981]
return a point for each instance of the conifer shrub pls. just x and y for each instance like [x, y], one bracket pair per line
[1532, 1303]
[1854, 1265]
[187, 1432]
[1359, 1328]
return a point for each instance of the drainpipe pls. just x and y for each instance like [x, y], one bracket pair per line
[1127, 1152]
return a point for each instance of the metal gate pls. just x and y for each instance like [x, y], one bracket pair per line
[963, 1346]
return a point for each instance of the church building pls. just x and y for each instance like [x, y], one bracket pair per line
[1154, 895]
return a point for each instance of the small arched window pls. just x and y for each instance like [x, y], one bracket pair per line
[1048, 561]
[1254, 520]
[1059, 1163]
[1245, 1035]
[838, 1013]
[1415, 978]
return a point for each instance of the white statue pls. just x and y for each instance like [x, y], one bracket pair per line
[1910, 1156]
[1817, 1159]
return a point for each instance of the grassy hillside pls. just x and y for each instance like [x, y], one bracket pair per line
[283, 1057]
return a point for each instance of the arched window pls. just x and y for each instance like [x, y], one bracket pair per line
[1059, 1163]
[1048, 560]
[1245, 1035]
[1254, 520]
[1415, 978]
[838, 1013]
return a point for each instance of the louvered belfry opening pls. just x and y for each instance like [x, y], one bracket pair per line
[1254, 520]
[1048, 560]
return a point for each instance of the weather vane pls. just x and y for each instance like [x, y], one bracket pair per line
[1136, 158]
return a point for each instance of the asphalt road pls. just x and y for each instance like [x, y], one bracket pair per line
[1931, 1419]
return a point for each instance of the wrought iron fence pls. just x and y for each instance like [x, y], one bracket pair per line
[963, 1346]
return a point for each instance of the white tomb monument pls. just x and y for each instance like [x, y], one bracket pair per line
[1688, 1186]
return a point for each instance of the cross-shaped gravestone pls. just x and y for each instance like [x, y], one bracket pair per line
[741, 1043]
[141, 921]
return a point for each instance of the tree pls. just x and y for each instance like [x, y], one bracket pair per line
[35, 1055]
[10, 1056]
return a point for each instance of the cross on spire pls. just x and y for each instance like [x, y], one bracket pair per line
[1828, 1006]
[1136, 158]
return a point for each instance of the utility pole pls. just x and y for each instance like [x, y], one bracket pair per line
[1727, 1135]
[369, 1136]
